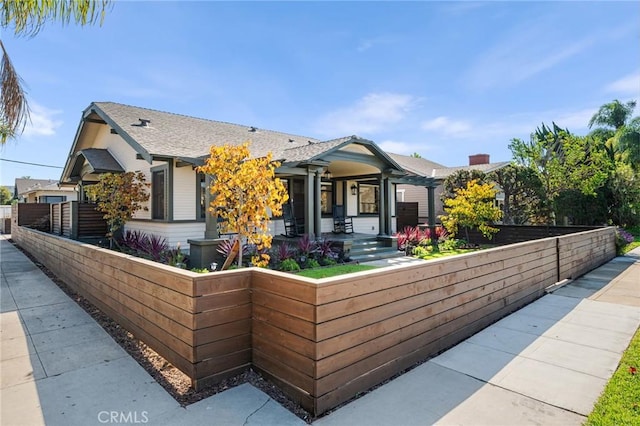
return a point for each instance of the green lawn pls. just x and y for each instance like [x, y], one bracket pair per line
[619, 404]
[445, 253]
[332, 271]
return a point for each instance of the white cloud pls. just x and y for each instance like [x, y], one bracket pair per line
[628, 85]
[396, 147]
[373, 113]
[43, 121]
[513, 126]
[448, 127]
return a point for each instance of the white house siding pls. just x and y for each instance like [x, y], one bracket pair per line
[174, 233]
[126, 156]
[366, 225]
[184, 193]
[352, 200]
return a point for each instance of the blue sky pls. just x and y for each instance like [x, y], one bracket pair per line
[444, 79]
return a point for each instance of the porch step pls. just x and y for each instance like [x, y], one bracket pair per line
[366, 250]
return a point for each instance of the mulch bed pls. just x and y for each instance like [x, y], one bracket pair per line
[176, 383]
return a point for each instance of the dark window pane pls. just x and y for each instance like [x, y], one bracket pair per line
[158, 195]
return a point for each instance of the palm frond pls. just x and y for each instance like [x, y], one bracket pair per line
[14, 108]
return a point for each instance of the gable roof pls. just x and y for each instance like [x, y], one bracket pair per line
[23, 185]
[444, 172]
[416, 165]
[180, 136]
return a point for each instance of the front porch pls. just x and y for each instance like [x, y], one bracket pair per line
[357, 247]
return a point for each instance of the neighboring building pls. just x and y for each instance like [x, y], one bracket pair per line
[350, 171]
[42, 191]
[423, 167]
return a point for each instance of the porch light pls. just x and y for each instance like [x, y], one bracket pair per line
[354, 189]
[327, 175]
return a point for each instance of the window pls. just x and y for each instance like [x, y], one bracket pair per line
[326, 198]
[158, 186]
[53, 199]
[202, 196]
[369, 196]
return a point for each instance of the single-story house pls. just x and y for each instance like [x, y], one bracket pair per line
[42, 191]
[424, 167]
[350, 171]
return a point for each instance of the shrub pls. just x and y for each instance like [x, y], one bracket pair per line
[284, 251]
[151, 247]
[325, 250]
[311, 263]
[289, 265]
[226, 247]
[306, 249]
[453, 244]
[421, 251]
[622, 239]
[327, 261]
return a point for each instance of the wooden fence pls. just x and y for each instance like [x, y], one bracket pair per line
[70, 218]
[322, 341]
[510, 234]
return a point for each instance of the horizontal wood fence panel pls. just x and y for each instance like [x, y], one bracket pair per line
[320, 341]
[294, 342]
[221, 364]
[294, 308]
[305, 329]
[285, 355]
[221, 282]
[235, 297]
[223, 315]
[281, 369]
[204, 336]
[286, 285]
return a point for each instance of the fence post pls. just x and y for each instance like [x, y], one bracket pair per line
[74, 220]
[558, 279]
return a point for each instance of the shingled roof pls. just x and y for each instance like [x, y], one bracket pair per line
[24, 185]
[416, 165]
[173, 135]
[442, 173]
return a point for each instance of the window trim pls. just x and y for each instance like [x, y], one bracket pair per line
[165, 169]
[332, 201]
[199, 188]
[376, 187]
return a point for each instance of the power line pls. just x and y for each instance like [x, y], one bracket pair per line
[31, 164]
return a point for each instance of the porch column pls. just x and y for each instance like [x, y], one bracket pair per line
[211, 220]
[309, 202]
[382, 205]
[317, 204]
[390, 199]
[431, 205]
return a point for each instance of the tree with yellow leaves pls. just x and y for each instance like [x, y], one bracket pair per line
[472, 207]
[244, 191]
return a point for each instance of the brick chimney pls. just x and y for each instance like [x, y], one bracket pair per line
[477, 159]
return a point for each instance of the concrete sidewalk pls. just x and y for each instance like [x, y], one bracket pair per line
[545, 364]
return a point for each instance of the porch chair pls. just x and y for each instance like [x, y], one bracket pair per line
[291, 226]
[341, 223]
